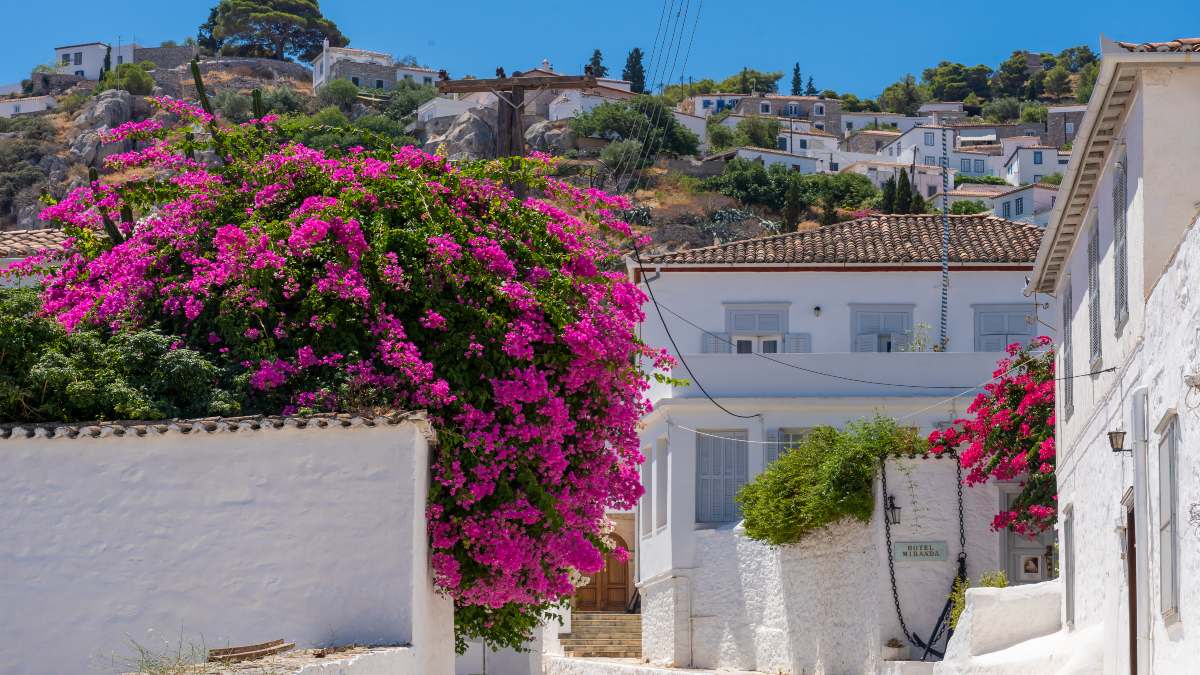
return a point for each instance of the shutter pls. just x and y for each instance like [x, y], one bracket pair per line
[870, 322]
[901, 342]
[1067, 356]
[894, 322]
[773, 447]
[738, 459]
[1017, 323]
[744, 321]
[769, 322]
[1168, 556]
[708, 480]
[991, 323]
[715, 343]
[720, 473]
[798, 343]
[1093, 261]
[1120, 228]
[866, 342]
[991, 343]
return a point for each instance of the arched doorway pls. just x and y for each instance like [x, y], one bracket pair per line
[608, 589]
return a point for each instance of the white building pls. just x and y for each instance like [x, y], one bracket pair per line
[972, 192]
[796, 331]
[1028, 203]
[925, 179]
[10, 107]
[708, 104]
[769, 156]
[1029, 164]
[87, 60]
[573, 102]
[1120, 253]
[857, 121]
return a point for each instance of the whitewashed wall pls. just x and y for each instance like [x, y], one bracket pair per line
[823, 605]
[224, 537]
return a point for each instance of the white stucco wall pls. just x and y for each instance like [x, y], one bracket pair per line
[225, 537]
[10, 107]
[823, 605]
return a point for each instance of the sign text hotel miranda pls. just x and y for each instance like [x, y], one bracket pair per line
[920, 550]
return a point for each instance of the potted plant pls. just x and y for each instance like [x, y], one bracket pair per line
[894, 650]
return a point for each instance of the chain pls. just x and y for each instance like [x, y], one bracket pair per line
[887, 534]
[962, 528]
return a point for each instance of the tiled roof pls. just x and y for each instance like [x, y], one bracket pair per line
[886, 240]
[23, 243]
[1177, 45]
[206, 425]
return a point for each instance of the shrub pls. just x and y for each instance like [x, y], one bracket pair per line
[720, 136]
[644, 118]
[1052, 179]
[966, 207]
[131, 77]
[754, 184]
[623, 156]
[284, 100]
[960, 178]
[406, 98]
[233, 106]
[827, 477]
[391, 279]
[340, 93]
[958, 597]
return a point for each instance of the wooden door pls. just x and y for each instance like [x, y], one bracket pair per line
[608, 589]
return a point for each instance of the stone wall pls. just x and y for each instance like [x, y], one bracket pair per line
[164, 57]
[216, 533]
[367, 74]
[868, 141]
[1056, 131]
[52, 83]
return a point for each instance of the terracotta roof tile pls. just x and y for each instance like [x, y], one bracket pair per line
[23, 243]
[888, 239]
[1177, 45]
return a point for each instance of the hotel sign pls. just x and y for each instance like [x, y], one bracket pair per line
[910, 551]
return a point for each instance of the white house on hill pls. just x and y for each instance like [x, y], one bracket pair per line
[799, 330]
[87, 60]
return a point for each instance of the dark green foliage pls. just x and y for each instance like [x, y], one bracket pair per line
[954, 82]
[1058, 82]
[634, 71]
[406, 98]
[1077, 58]
[642, 118]
[47, 374]
[132, 77]
[887, 200]
[903, 97]
[329, 129]
[904, 193]
[960, 178]
[720, 136]
[967, 207]
[827, 477]
[1052, 179]
[341, 93]
[751, 81]
[797, 80]
[276, 29]
[1033, 112]
[1012, 76]
[754, 184]
[810, 90]
[1087, 81]
[757, 131]
[597, 64]
[793, 203]
[284, 100]
[623, 156]
[232, 106]
[1004, 109]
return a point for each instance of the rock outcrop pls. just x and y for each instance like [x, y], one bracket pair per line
[471, 136]
[555, 137]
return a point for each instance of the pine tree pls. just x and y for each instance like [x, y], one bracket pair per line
[887, 203]
[904, 193]
[797, 81]
[793, 203]
[634, 72]
[597, 64]
[810, 90]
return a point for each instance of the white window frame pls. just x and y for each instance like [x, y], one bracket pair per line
[759, 344]
[1009, 336]
[1168, 516]
[897, 341]
[980, 166]
[1069, 128]
[1019, 206]
[781, 439]
[929, 138]
[819, 110]
[1006, 209]
[965, 165]
[793, 109]
[662, 481]
[764, 108]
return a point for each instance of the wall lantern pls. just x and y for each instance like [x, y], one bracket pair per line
[1116, 441]
[817, 310]
[893, 511]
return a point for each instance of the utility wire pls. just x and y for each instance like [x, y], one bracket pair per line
[674, 346]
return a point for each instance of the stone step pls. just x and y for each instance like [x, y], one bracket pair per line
[617, 653]
[594, 638]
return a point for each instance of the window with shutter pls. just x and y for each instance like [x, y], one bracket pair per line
[1093, 262]
[1120, 247]
[780, 441]
[798, 343]
[721, 460]
[881, 329]
[662, 453]
[1168, 548]
[647, 514]
[1067, 367]
[756, 329]
[715, 343]
[997, 326]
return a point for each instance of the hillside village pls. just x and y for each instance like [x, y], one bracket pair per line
[320, 359]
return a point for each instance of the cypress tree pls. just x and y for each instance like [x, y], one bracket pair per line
[597, 64]
[634, 72]
[797, 81]
[810, 90]
[887, 203]
[904, 193]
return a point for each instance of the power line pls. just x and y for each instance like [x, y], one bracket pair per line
[655, 58]
[678, 353]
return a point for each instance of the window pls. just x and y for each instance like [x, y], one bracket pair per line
[1093, 263]
[1019, 206]
[931, 190]
[1067, 368]
[928, 138]
[833, 166]
[965, 165]
[819, 109]
[706, 104]
[354, 80]
[1068, 569]
[820, 125]
[780, 441]
[764, 108]
[881, 328]
[79, 58]
[793, 109]
[1168, 528]
[1120, 195]
[930, 160]
[980, 167]
[647, 514]
[379, 84]
[1069, 127]
[754, 344]
[427, 80]
[781, 142]
[1037, 178]
[997, 326]
[120, 59]
[878, 145]
[803, 143]
[849, 126]
[1037, 156]
[79, 73]
[1006, 210]
[720, 472]
[662, 452]
[66, 59]
[16, 108]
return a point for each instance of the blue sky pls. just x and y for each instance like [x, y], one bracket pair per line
[858, 47]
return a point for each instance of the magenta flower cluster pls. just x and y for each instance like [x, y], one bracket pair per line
[376, 280]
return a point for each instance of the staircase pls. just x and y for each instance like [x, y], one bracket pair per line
[604, 634]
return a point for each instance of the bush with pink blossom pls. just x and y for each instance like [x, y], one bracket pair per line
[374, 279]
[1011, 436]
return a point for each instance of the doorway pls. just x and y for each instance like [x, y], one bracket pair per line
[1027, 560]
[608, 589]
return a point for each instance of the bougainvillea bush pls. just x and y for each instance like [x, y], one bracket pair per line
[1011, 436]
[374, 280]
